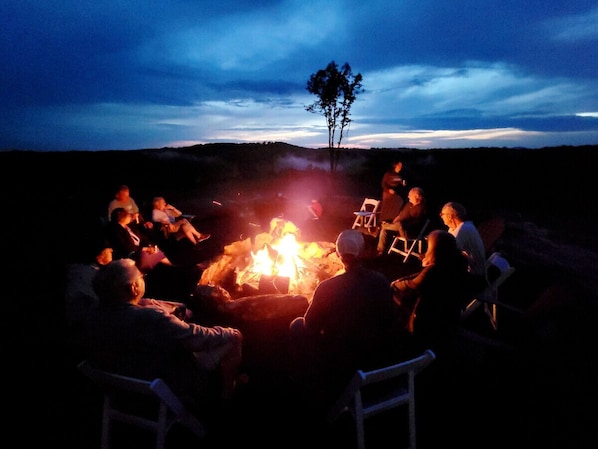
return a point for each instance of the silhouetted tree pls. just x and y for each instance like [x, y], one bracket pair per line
[336, 91]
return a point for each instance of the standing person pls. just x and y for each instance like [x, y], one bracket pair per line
[172, 219]
[201, 364]
[454, 216]
[348, 325]
[408, 221]
[393, 185]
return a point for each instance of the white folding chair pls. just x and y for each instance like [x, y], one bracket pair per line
[372, 392]
[489, 296]
[410, 247]
[367, 215]
[166, 408]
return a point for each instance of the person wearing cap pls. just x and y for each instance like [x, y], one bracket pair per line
[348, 325]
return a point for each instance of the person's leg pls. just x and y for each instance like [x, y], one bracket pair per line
[230, 370]
[226, 360]
[386, 227]
[192, 233]
[189, 231]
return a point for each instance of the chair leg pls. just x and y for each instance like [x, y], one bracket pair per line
[106, 424]
[412, 430]
[491, 311]
[360, 433]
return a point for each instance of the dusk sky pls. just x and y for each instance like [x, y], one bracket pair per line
[131, 74]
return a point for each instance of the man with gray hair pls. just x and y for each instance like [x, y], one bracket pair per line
[408, 222]
[454, 216]
[199, 363]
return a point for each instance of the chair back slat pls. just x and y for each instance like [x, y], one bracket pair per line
[372, 392]
[119, 390]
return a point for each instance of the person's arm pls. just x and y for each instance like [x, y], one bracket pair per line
[404, 214]
[173, 210]
[205, 337]
[134, 206]
[410, 282]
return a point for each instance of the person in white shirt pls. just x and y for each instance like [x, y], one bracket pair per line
[174, 222]
[454, 216]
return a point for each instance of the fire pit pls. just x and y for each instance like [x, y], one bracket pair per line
[260, 279]
[275, 262]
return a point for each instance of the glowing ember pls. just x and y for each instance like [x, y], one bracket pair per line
[280, 258]
[278, 255]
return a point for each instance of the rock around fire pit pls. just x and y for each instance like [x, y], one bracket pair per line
[271, 278]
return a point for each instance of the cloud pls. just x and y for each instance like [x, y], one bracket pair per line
[122, 75]
[574, 28]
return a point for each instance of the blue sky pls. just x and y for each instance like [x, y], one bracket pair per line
[131, 74]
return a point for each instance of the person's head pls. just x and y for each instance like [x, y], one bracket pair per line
[442, 248]
[415, 195]
[453, 214]
[349, 246]
[122, 192]
[159, 202]
[121, 215]
[120, 281]
[397, 166]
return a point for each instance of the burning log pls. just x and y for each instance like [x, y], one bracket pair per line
[276, 263]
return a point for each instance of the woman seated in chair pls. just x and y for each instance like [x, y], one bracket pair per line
[174, 223]
[430, 300]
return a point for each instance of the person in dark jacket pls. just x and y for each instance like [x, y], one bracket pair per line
[393, 191]
[348, 325]
[434, 295]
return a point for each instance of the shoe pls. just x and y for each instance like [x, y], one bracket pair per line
[203, 237]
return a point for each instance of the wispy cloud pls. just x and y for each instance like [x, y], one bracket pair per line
[124, 75]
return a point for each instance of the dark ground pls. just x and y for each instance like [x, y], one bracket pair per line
[532, 383]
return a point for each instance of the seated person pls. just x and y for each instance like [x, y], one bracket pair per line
[434, 295]
[126, 243]
[410, 220]
[173, 223]
[201, 364]
[80, 297]
[469, 241]
[122, 198]
[348, 325]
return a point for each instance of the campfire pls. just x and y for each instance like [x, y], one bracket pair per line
[276, 262]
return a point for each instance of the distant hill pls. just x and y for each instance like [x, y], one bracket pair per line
[553, 184]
